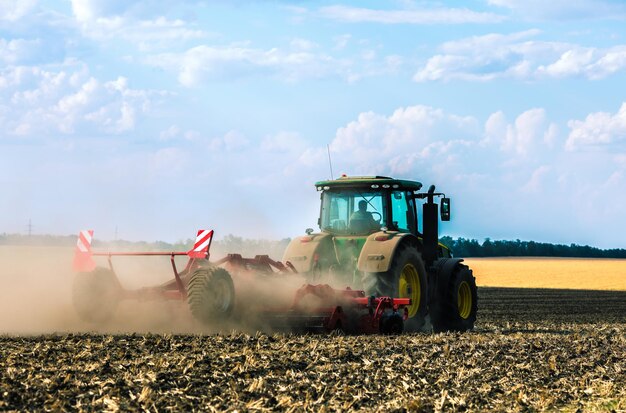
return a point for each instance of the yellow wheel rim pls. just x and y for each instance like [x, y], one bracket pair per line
[409, 287]
[464, 300]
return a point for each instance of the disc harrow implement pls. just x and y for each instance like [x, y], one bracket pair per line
[226, 289]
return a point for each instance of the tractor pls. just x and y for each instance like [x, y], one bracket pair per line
[371, 237]
[387, 276]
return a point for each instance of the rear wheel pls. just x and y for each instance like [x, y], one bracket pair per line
[96, 294]
[211, 294]
[456, 305]
[406, 278]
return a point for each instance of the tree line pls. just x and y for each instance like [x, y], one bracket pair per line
[462, 247]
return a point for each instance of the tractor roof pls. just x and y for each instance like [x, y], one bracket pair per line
[367, 182]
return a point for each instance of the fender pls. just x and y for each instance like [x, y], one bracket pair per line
[380, 248]
[301, 251]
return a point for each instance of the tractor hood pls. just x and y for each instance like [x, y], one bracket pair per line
[322, 250]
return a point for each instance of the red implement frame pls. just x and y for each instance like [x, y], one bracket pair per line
[175, 289]
[348, 310]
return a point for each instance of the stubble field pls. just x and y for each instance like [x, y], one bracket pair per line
[567, 273]
[534, 349]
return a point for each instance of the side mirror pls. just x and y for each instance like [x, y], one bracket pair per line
[445, 209]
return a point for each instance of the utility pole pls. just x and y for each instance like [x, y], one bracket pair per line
[116, 233]
[30, 228]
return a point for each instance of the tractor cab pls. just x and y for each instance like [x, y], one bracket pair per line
[363, 219]
[364, 205]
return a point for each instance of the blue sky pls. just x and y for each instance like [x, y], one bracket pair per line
[158, 117]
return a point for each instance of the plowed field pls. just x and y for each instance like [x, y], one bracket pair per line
[533, 350]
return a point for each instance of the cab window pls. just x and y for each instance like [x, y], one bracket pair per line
[352, 212]
[402, 215]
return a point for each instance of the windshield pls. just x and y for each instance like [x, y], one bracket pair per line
[352, 212]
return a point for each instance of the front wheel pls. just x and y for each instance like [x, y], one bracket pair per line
[456, 304]
[406, 278]
[211, 294]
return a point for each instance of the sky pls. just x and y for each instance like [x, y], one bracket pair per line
[154, 118]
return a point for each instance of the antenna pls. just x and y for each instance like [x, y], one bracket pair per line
[330, 162]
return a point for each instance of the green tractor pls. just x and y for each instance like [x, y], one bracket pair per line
[373, 238]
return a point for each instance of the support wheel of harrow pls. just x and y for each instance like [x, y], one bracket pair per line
[96, 294]
[455, 304]
[406, 278]
[391, 324]
[211, 294]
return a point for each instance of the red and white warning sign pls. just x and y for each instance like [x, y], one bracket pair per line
[201, 247]
[82, 255]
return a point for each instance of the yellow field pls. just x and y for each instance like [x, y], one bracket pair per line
[572, 273]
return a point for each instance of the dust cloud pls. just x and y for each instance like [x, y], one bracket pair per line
[36, 295]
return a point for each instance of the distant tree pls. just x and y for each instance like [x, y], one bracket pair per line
[462, 247]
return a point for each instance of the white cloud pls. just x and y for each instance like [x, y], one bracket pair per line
[71, 106]
[529, 127]
[175, 134]
[134, 22]
[563, 9]
[232, 141]
[536, 182]
[598, 129]
[341, 42]
[12, 10]
[106, 105]
[85, 10]
[284, 142]
[571, 62]
[421, 139]
[612, 61]
[145, 34]
[313, 157]
[206, 63]
[408, 136]
[517, 56]
[489, 41]
[18, 51]
[551, 136]
[424, 16]
[68, 100]
[530, 131]
[303, 44]
[170, 133]
[89, 10]
[496, 129]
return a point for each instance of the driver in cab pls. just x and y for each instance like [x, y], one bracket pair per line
[362, 219]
